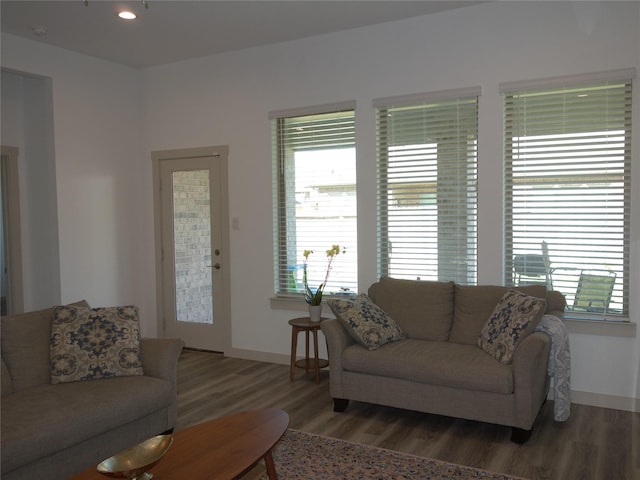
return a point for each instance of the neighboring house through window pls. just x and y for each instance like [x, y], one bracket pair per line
[427, 196]
[315, 189]
[568, 189]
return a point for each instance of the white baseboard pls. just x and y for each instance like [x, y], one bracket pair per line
[606, 401]
[260, 356]
[583, 398]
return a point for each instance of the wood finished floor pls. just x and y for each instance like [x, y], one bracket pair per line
[595, 443]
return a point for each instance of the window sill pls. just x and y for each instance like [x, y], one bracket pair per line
[297, 303]
[606, 328]
[288, 303]
[581, 326]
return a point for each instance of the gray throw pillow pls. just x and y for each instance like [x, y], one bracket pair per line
[514, 317]
[367, 323]
[88, 343]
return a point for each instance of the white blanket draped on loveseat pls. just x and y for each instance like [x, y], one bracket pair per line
[559, 367]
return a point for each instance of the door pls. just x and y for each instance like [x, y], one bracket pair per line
[192, 226]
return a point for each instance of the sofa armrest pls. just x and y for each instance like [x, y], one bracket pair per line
[556, 313]
[160, 360]
[338, 339]
[531, 382]
[160, 357]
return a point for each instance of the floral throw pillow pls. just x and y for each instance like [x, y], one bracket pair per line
[514, 317]
[367, 323]
[92, 343]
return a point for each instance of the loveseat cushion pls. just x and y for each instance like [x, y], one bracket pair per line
[25, 346]
[423, 309]
[436, 363]
[45, 419]
[475, 304]
[514, 317]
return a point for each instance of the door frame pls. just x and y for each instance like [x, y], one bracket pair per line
[223, 310]
[13, 231]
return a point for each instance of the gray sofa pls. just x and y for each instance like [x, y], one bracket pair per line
[438, 367]
[56, 430]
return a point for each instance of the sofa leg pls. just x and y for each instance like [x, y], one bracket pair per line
[520, 436]
[340, 404]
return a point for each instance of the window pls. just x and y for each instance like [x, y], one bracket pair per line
[315, 205]
[427, 200]
[568, 189]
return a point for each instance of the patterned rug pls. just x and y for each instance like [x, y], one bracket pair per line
[306, 456]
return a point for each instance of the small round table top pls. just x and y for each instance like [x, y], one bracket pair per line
[305, 322]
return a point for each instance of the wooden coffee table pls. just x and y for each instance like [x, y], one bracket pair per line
[222, 449]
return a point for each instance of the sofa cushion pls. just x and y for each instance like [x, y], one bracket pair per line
[424, 310]
[514, 317]
[365, 321]
[88, 344]
[436, 363]
[25, 346]
[475, 304]
[49, 418]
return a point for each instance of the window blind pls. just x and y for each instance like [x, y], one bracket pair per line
[568, 191]
[427, 200]
[315, 199]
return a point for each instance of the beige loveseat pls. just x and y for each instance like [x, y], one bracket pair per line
[438, 367]
[53, 431]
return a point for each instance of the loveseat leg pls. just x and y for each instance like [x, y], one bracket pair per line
[519, 435]
[340, 404]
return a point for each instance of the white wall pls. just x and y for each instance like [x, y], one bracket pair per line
[224, 99]
[27, 123]
[97, 143]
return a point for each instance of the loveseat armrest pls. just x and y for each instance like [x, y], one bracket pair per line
[531, 383]
[338, 339]
[160, 357]
[556, 304]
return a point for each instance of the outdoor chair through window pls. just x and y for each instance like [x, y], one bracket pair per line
[594, 291]
[534, 268]
[529, 269]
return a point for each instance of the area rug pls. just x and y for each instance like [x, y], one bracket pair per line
[306, 456]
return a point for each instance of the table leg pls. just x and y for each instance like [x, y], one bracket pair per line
[307, 352]
[294, 345]
[271, 468]
[317, 355]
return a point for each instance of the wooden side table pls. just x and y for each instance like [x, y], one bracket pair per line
[304, 324]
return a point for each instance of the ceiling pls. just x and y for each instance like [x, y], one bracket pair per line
[173, 30]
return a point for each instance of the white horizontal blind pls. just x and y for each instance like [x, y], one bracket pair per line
[315, 204]
[427, 200]
[568, 184]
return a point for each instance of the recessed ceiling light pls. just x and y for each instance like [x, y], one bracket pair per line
[127, 15]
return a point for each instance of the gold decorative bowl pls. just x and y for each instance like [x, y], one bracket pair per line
[134, 462]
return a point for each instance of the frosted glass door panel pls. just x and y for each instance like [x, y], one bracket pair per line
[192, 246]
